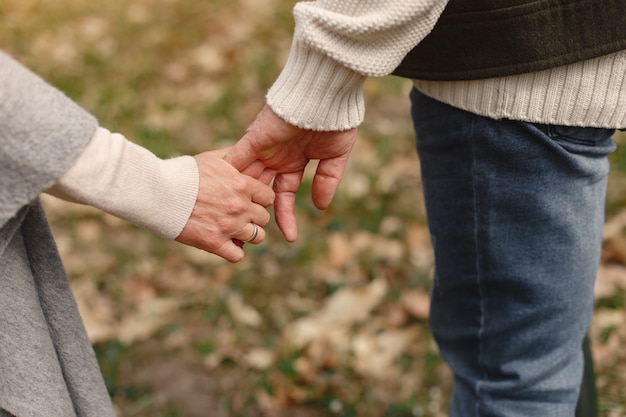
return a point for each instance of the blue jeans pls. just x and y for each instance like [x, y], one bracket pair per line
[515, 212]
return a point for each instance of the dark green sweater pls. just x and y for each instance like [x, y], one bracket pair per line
[476, 39]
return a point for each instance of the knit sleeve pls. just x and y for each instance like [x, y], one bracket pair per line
[337, 44]
[130, 182]
[42, 132]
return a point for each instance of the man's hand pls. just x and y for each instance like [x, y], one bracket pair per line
[286, 150]
[228, 206]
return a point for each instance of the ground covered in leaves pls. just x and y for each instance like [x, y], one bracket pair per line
[332, 325]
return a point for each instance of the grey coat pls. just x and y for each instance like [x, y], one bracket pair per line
[47, 365]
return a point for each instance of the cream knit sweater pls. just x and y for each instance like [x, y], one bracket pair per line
[337, 44]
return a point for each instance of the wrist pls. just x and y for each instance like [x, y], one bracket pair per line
[316, 92]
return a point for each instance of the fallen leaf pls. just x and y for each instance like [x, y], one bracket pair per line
[375, 352]
[259, 358]
[345, 307]
[417, 303]
[242, 312]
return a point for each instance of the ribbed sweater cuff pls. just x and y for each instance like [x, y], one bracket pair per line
[130, 182]
[315, 92]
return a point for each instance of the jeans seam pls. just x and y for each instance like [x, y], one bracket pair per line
[476, 205]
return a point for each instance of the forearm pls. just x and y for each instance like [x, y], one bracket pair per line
[128, 181]
[337, 44]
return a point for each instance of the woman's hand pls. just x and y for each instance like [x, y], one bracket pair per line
[228, 206]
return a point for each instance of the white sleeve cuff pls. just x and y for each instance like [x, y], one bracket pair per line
[130, 182]
[316, 92]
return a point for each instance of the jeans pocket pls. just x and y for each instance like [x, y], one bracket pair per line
[585, 141]
[590, 136]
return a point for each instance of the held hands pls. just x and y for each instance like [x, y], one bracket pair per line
[286, 149]
[230, 209]
[233, 193]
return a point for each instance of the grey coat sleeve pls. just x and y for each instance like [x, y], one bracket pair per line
[42, 132]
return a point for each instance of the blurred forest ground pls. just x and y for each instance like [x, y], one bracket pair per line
[332, 325]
